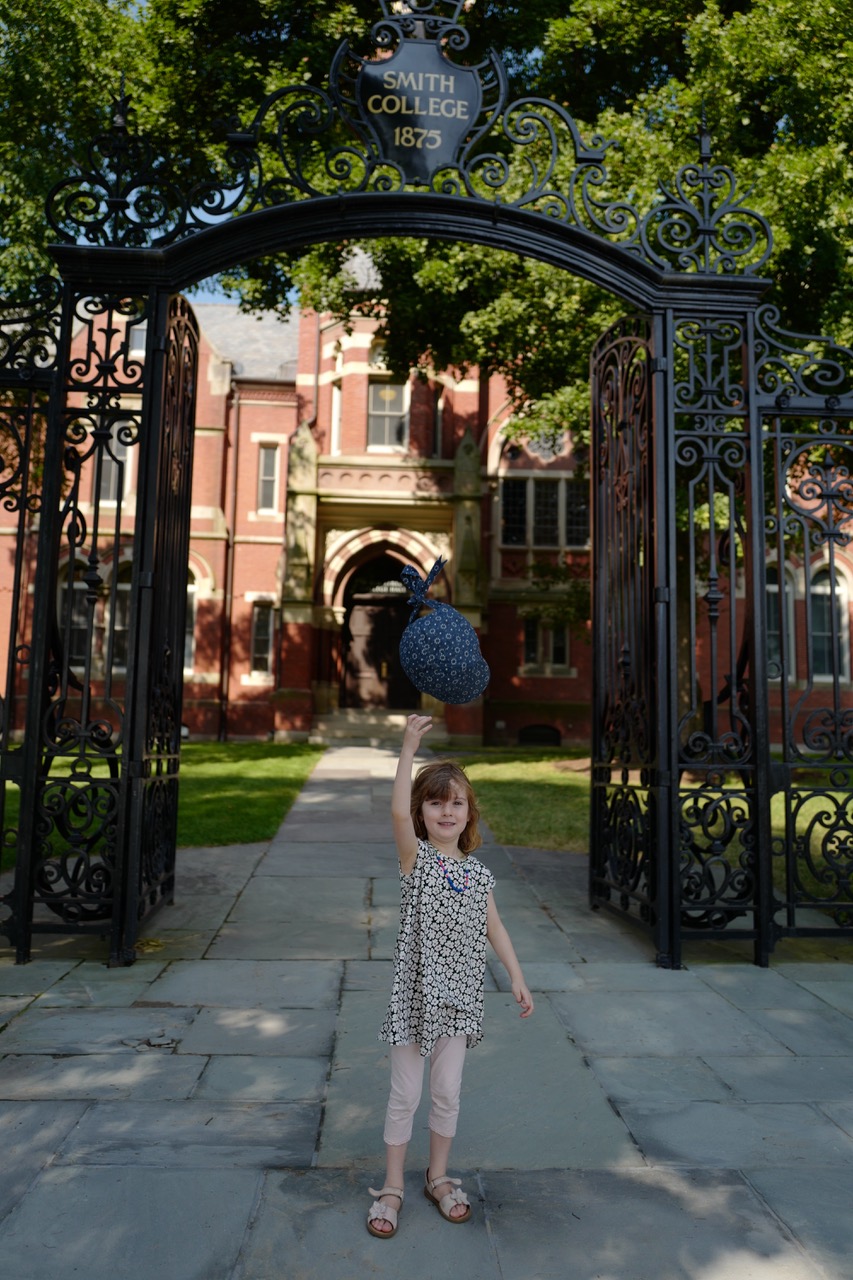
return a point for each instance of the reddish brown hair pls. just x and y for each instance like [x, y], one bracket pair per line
[436, 781]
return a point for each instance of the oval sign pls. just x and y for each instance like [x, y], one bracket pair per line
[421, 106]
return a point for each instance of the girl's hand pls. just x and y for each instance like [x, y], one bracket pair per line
[524, 998]
[416, 727]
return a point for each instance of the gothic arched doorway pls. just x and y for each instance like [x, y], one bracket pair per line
[375, 618]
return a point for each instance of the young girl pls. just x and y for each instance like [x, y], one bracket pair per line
[436, 1007]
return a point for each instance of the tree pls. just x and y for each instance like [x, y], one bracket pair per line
[771, 76]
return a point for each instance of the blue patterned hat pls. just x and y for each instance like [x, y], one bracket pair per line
[440, 652]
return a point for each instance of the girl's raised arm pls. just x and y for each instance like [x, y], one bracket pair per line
[401, 796]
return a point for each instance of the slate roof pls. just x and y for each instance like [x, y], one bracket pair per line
[258, 346]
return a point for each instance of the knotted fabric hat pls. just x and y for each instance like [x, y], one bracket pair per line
[440, 652]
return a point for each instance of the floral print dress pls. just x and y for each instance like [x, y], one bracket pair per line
[440, 957]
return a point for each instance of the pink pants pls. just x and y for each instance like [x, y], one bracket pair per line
[445, 1085]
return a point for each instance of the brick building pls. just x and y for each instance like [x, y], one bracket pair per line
[317, 477]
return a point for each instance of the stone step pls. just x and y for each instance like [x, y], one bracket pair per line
[368, 728]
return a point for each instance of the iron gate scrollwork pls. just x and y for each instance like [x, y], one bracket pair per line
[722, 499]
[113, 518]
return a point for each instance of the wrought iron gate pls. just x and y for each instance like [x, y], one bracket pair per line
[630, 781]
[723, 507]
[723, 706]
[104, 461]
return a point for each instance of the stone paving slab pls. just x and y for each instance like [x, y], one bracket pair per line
[621, 976]
[508, 1116]
[292, 1033]
[34, 978]
[30, 1133]
[838, 995]
[91, 985]
[785, 1079]
[288, 859]
[637, 1225]
[748, 987]
[338, 830]
[302, 897]
[311, 1227]
[664, 1079]
[205, 1134]
[159, 941]
[136, 1223]
[199, 913]
[141, 1076]
[241, 984]
[660, 1024]
[821, 1033]
[296, 940]
[539, 1225]
[816, 1209]
[560, 975]
[713, 1135]
[841, 1113]
[10, 1006]
[807, 973]
[81, 1031]
[217, 869]
[368, 975]
[267, 1079]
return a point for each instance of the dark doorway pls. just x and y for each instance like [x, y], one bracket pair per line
[376, 617]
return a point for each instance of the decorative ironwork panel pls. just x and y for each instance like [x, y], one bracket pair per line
[89, 543]
[28, 362]
[809, 462]
[624, 755]
[714, 623]
[409, 112]
[162, 553]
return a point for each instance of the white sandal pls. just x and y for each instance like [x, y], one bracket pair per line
[446, 1202]
[380, 1212]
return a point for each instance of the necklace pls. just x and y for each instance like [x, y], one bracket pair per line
[445, 870]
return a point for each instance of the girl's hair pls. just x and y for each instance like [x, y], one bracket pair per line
[436, 781]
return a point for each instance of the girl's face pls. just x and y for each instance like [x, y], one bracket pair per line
[445, 820]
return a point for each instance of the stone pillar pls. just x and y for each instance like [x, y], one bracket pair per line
[294, 702]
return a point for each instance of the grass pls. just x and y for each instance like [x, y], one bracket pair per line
[528, 797]
[229, 793]
[239, 792]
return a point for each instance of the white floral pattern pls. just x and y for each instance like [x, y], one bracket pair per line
[440, 957]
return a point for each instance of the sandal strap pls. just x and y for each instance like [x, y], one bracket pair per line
[437, 1182]
[387, 1191]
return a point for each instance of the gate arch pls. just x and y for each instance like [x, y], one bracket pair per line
[700, 399]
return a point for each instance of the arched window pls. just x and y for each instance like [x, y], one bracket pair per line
[830, 626]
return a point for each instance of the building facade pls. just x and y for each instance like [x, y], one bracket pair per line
[316, 478]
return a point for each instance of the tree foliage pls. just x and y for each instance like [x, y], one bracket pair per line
[773, 78]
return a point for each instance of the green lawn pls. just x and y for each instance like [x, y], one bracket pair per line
[532, 796]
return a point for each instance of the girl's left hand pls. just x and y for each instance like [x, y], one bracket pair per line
[524, 998]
